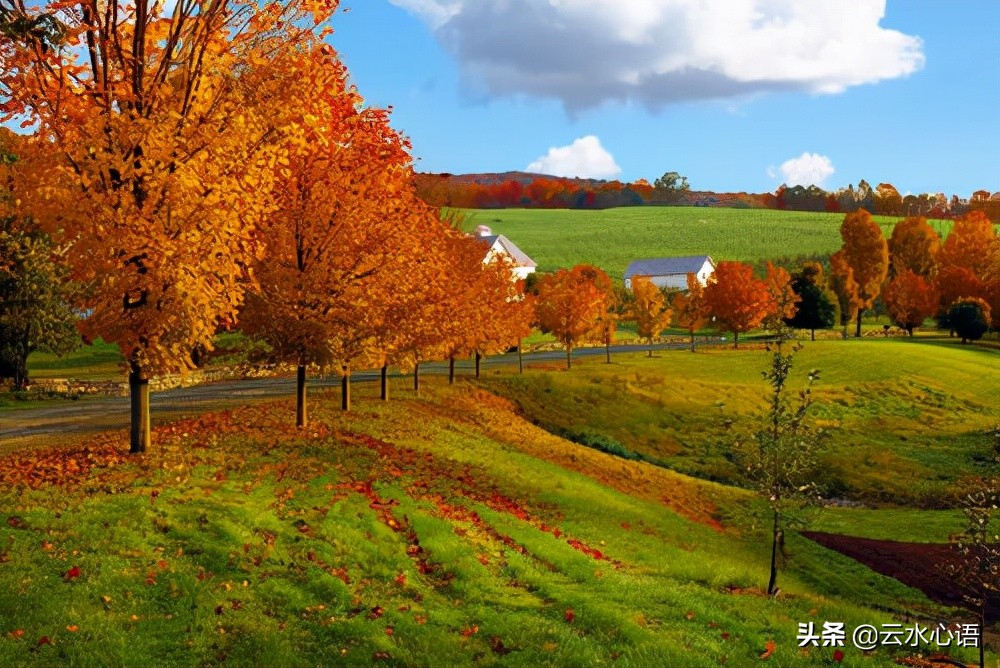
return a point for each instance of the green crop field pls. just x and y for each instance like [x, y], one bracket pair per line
[613, 238]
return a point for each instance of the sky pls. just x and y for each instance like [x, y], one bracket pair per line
[740, 95]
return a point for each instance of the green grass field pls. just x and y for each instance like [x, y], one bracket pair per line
[613, 238]
[444, 530]
[908, 419]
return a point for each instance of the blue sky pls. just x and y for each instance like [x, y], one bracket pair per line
[735, 95]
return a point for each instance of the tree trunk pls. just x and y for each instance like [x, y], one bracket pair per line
[520, 356]
[982, 627]
[607, 350]
[773, 580]
[479, 359]
[416, 378]
[736, 340]
[812, 335]
[345, 389]
[451, 370]
[385, 382]
[138, 390]
[569, 360]
[650, 346]
[857, 331]
[21, 373]
[692, 341]
[300, 396]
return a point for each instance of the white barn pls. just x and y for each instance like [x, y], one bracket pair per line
[671, 272]
[500, 246]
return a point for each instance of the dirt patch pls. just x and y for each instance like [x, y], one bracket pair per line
[918, 565]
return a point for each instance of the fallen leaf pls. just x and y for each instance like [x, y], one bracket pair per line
[72, 574]
[472, 630]
[769, 648]
[72, 628]
[569, 615]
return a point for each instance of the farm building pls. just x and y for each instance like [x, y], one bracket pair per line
[671, 272]
[499, 245]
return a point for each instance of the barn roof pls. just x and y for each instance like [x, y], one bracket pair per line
[667, 266]
[520, 258]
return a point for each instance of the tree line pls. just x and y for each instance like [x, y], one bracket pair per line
[547, 192]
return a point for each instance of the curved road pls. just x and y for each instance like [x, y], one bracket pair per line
[47, 423]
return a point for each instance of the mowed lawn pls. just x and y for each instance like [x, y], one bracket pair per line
[613, 238]
[444, 530]
[907, 419]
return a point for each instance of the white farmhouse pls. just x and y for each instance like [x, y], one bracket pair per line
[671, 272]
[500, 246]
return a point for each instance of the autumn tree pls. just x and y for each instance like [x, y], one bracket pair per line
[334, 246]
[162, 128]
[817, 307]
[619, 306]
[690, 307]
[737, 300]
[36, 311]
[784, 299]
[970, 244]
[650, 310]
[571, 303]
[910, 299]
[913, 246]
[866, 252]
[845, 288]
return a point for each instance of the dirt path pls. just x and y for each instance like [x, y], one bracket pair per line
[918, 565]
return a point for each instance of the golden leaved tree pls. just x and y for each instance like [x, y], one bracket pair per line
[162, 128]
[341, 234]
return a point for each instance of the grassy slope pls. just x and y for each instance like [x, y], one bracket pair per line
[439, 531]
[613, 238]
[906, 418]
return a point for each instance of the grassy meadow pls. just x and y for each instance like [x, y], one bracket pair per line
[906, 418]
[444, 530]
[613, 238]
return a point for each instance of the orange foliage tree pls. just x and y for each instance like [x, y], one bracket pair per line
[162, 128]
[784, 299]
[690, 307]
[571, 303]
[650, 310]
[910, 299]
[970, 244]
[844, 287]
[737, 300]
[913, 246]
[867, 254]
[334, 247]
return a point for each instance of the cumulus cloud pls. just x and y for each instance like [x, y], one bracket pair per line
[585, 52]
[584, 158]
[809, 169]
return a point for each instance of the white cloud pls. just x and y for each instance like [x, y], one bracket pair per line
[584, 158]
[809, 169]
[585, 52]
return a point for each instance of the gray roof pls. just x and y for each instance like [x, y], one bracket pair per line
[668, 266]
[520, 258]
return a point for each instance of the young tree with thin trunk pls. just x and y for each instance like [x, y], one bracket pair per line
[162, 127]
[649, 309]
[737, 300]
[571, 303]
[781, 458]
[784, 299]
[866, 252]
[691, 308]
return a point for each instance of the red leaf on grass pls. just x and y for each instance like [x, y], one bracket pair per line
[72, 574]
[569, 615]
[471, 631]
[769, 648]
[838, 656]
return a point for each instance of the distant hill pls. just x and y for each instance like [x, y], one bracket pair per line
[496, 178]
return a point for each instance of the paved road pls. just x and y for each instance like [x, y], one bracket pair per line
[17, 427]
